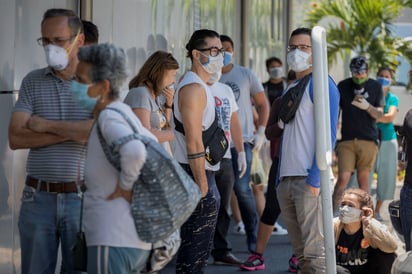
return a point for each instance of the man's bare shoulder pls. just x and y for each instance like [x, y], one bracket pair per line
[192, 87]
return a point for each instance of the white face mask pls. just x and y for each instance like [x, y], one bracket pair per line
[56, 57]
[276, 73]
[214, 77]
[213, 64]
[298, 60]
[349, 214]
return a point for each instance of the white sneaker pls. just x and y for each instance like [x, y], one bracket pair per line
[279, 230]
[240, 229]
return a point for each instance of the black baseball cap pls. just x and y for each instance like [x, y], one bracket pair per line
[358, 64]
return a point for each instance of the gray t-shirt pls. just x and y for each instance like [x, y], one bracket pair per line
[140, 97]
[244, 84]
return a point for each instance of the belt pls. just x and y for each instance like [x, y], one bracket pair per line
[57, 187]
[293, 177]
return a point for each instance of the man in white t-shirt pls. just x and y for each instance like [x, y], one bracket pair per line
[246, 86]
[298, 190]
[226, 109]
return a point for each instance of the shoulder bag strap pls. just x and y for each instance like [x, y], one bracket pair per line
[111, 150]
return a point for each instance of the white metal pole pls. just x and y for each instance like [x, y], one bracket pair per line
[323, 138]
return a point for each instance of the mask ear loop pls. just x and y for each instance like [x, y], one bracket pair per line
[68, 51]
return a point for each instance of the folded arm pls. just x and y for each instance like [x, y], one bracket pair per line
[77, 131]
[21, 136]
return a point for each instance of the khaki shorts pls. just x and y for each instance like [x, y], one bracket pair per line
[356, 154]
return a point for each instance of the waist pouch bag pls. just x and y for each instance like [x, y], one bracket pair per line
[214, 140]
[291, 100]
[164, 195]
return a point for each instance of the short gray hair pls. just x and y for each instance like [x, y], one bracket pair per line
[108, 63]
[75, 24]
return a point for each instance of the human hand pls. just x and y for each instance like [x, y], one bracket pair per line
[37, 124]
[314, 190]
[367, 214]
[204, 189]
[168, 93]
[119, 192]
[259, 138]
[402, 165]
[241, 163]
[361, 103]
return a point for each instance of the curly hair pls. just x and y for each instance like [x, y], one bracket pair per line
[365, 199]
[108, 63]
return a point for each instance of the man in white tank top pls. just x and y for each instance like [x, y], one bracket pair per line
[194, 107]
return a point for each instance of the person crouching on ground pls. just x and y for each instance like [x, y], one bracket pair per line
[362, 244]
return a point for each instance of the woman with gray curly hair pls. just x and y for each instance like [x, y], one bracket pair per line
[113, 243]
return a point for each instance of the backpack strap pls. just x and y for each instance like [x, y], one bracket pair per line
[178, 125]
[206, 134]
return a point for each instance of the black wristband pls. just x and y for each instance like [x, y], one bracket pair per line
[167, 106]
[196, 155]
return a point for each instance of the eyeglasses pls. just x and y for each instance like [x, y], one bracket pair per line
[44, 41]
[214, 51]
[299, 47]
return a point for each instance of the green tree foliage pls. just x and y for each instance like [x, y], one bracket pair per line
[363, 27]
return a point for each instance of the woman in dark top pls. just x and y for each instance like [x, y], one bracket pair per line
[406, 191]
[362, 244]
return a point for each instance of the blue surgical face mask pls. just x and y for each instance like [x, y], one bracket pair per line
[385, 82]
[79, 94]
[227, 58]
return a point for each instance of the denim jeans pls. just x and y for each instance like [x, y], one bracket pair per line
[109, 259]
[245, 197]
[224, 182]
[406, 215]
[47, 219]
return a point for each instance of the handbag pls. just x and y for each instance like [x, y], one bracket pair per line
[79, 250]
[291, 100]
[214, 140]
[164, 195]
[257, 173]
